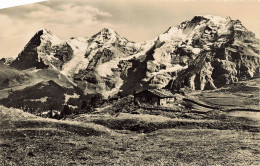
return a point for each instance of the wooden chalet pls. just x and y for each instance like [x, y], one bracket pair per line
[155, 96]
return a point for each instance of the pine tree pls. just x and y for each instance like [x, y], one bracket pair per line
[65, 111]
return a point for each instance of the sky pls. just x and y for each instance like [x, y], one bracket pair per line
[137, 20]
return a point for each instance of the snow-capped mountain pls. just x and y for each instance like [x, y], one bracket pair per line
[228, 53]
[206, 52]
[102, 73]
[44, 50]
[78, 62]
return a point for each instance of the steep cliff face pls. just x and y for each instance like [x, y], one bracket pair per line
[229, 53]
[28, 57]
[43, 50]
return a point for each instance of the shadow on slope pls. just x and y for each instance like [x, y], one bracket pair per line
[15, 119]
[237, 95]
[42, 97]
[10, 77]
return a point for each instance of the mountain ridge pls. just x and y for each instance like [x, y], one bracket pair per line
[107, 63]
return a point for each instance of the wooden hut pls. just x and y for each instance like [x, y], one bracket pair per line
[155, 97]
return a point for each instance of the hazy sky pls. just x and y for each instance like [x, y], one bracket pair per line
[137, 20]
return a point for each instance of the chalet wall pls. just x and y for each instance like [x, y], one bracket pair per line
[148, 97]
[167, 101]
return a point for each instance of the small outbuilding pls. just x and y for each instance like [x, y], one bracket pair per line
[155, 96]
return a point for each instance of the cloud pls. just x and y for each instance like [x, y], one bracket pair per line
[67, 14]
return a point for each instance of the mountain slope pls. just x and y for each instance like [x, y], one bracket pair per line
[11, 77]
[106, 51]
[43, 96]
[78, 61]
[229, 53]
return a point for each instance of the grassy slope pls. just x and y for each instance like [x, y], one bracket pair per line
[238, 95]
[144, 123]
[36, 76]
[29, 140]
[11, 77]
[193, 147]
[29, 97]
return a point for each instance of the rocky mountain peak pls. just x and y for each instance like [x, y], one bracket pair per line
[107, 35]
[43, 50]
[196, 28]
[108, 31]
[202, 19]
[46, 31]
[48, 36]
[42, 32]
[42, 36]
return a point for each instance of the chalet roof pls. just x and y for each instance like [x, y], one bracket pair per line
[162, 93]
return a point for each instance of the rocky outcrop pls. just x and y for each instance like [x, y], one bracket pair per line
[7, 61]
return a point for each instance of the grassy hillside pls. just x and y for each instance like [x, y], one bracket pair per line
[42, 97]
[29, 140]
[238, 95]
[11, 77]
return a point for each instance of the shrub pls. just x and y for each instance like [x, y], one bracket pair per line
[188, 105]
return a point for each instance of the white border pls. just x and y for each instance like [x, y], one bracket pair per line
[13, 3]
